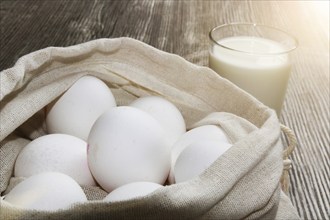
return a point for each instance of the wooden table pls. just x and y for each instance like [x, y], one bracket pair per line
[182, 27]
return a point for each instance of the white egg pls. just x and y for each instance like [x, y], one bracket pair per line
[75, 112]
[55, 152]
[197, 157]
[205, 132]
[132, 190]
[49, 191]
[127, 145]
[165, 112]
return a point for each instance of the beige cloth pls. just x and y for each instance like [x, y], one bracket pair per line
[241, 184]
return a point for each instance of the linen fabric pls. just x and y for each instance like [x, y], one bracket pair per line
[244, 183]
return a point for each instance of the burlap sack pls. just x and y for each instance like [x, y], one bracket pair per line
[244, 183]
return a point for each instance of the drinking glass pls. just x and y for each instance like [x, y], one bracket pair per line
[254, 57]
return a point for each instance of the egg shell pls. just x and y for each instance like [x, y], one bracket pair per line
[131, 191]
[128, 145]
[55, 152]
[75, 112]
[197, 157]
[205, 132]
[165, 112]
[48, 191]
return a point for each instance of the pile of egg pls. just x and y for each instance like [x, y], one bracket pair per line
[129, 151]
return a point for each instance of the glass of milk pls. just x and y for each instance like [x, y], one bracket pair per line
[255, 58]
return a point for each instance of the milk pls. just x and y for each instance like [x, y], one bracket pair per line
[262, 69]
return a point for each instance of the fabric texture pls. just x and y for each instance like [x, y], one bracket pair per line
[244, 183]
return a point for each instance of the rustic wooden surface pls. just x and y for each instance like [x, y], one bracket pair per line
[182, 27]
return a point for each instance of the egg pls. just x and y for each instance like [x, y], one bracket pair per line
[166, 113]
[205, 132]
[127, 145]
[75, 112]
[132, 190]
[48, 191]
[197, 157]
[55, 152]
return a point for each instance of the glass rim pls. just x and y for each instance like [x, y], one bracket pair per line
[295, 45]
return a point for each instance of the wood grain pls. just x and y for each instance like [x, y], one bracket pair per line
[182, 27]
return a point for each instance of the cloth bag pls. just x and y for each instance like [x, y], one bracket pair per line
[244, 183]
